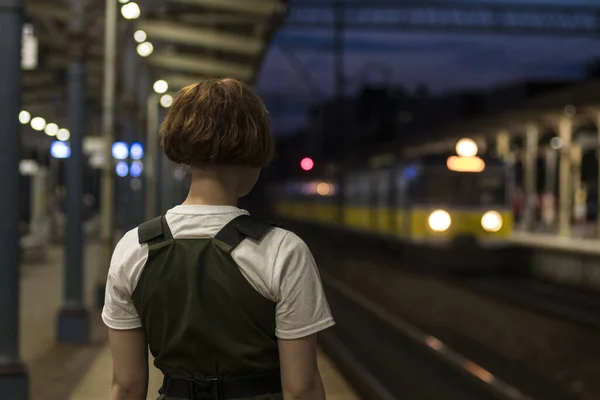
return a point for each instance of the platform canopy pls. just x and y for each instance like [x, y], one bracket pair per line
[191, 39]
[522, 104]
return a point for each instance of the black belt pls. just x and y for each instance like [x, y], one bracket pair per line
[219, 389]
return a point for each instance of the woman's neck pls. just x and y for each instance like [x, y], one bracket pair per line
[211, 188]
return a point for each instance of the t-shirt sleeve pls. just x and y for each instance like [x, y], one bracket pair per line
[126, 265]
[302, 307]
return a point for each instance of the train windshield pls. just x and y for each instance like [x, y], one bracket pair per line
[446, 188]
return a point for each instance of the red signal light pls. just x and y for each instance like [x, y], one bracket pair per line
[307, 164]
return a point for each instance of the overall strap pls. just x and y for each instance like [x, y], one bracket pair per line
[154, 231]
[242, 227]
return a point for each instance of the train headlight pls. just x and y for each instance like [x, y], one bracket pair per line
[439, 221]
[492, 221]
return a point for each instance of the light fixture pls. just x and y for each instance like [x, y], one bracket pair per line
[324, 189]
[145, 49]
[161, 86]
[556, 143]
[51, 129]
[63, 135]
[24, 117]
[140, 36]
[492, 221]
[131, 11]
[307, 164]
[439, 221]
[466, 147]
[60, 150]
[120, 150]
[136, 169]
[166, 100]
[136, 151]
[38, 123]
[465, 164]
[122, 169]
[28, 167]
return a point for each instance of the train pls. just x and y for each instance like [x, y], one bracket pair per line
[443, 200]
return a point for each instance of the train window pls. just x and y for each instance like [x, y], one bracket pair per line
[460, 189]
[382, 188]
[349, 187]
[403, 177]
[363, 189]
[357, 189]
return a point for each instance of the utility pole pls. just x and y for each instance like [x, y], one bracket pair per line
[108, 125]
[153, 158]
[73, 318]
[130, 67]
[339, 144]
[13, 376]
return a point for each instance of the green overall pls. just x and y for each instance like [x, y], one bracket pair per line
[211, 333]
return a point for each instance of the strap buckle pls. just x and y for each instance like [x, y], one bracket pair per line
[209, 389]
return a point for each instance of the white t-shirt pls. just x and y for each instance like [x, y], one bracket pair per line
[280, 267]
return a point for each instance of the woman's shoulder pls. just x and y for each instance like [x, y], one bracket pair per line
[128, 250]
[280, 238]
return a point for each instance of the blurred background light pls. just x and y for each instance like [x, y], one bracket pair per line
[51, 129]
[120, 150]
[38, 123]
[63, 134]
[145, 49]
[136, 169]
[136, 151]
[140, 36]
[60, 149]
[122, 169]
[24, 117]
[131, 11]
[161, 86]
[166, 101]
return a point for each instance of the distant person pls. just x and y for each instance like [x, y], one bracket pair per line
[229, 304]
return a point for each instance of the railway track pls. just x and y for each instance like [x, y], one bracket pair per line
[539, 338]
[563, 302]
[388, 358]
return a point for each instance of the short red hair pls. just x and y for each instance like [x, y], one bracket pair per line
[218, 122]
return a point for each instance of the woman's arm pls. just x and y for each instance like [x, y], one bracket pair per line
[300, 374]
[130, 364]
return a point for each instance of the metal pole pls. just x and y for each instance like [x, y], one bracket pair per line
[39, 195]
[108, 122]
[160, 188]
[338, 40]
[577, 203]
[13, 376]
[73, 318]
[152, 157]
[550, 187]
[598, 178]
[530, 172]
[565, 132]
[130, 66]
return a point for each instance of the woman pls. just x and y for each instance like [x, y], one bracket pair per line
[229, 305]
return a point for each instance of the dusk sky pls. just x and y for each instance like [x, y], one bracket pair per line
[443, 62]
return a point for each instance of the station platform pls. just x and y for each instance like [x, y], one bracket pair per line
[60, 371]
[565, 260]
[575, 244]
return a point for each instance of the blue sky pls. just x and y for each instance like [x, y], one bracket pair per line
[444, 62]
